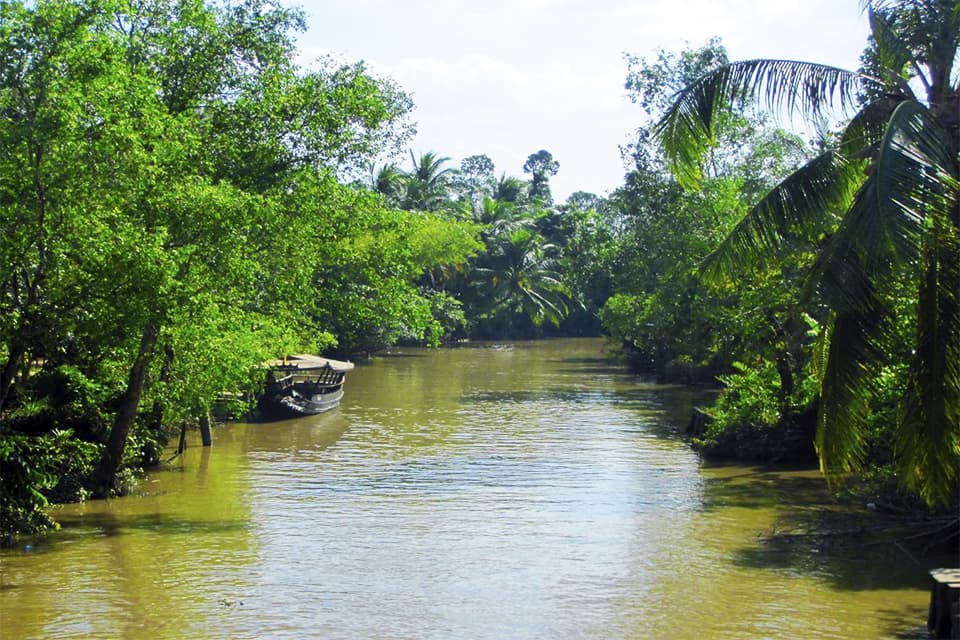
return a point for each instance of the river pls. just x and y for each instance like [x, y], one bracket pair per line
[517, 490]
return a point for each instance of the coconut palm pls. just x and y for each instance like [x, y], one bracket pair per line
[428, 182]
[519, 272]
[885, 197]
[510, 189]
[389, 181]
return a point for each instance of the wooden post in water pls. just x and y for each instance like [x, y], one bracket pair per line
[943, 620]
[182, 445]
[205, 431]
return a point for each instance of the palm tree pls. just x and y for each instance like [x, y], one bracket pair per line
[500, 217]
[427, 184]
[885, 197]
[519, 272]
[389, 181]
[510, 189]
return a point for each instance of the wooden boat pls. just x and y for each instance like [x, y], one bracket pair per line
[303, 385]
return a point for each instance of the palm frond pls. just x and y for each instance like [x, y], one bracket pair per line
[850, 358]
[910, 182]
[839, 438]
[914, 182]
[820, 350]
[929, 438]
[546, 305]
[806, 199]
[686, 131]
[838, 275]
[901, 216]
[926, 32]
[893, 52]
[865, 130]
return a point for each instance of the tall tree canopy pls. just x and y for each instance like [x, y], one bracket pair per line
[173, 212]
[541, 166]
[882, 205]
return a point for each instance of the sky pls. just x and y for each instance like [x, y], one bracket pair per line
[507, 78]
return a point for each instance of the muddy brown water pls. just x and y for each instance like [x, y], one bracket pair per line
[514, 490]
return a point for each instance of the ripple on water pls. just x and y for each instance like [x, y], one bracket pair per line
[529, 492]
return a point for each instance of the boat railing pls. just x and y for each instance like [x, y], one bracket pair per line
[328, 377]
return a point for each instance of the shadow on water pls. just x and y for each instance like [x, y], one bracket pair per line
[748, 487]
[111, 525]
[850, 548]
[897, 629]
[852, 551]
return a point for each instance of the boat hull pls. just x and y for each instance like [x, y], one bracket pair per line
[291, 404]
[303, 386]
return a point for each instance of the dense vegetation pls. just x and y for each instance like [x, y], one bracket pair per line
[181, 202]
[175, 211]
[878, 209]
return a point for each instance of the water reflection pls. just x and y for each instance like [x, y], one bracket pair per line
[531, 490]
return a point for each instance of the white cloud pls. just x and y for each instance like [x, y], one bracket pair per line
[509, 77]
[479, 104]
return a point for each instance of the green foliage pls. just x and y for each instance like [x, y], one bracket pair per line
[679, 325]
[71, 462]
[585, 263]
[447, 319]
[672, 319]
[541, 166]
[749, 397]
[752, 419]
[476, 179]
[24, 473]
[166, 181]
[34, 469]
[652, 85]
[884, 235]
[518, 274]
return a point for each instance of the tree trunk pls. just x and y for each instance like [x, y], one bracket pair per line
[17, 351]
[787, 384]
[109, 464]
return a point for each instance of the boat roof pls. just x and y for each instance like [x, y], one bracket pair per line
[307, 361]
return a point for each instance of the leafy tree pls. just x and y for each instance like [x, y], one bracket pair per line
[35, 170]
[652, 85]
[167, 180]
[583, 201]
[885, 201]
[368, 281]
[541, 166]
[661, 308]
[587, 240]
[676, 324]
[476, 179]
